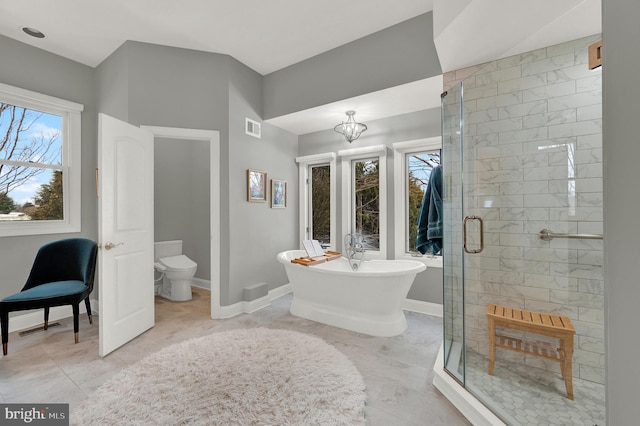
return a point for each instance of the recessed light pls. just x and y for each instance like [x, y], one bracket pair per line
[33, 32]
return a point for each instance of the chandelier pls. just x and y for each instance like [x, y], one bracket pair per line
[350, 129]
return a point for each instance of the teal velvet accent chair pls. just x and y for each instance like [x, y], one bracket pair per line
[62, 274]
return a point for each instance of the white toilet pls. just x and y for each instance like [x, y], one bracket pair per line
[177, 271]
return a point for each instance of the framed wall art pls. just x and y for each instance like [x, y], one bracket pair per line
[278, 194]
[256, 186]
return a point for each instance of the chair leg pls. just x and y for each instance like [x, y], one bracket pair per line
[46, 318]
[76, 322]
[88, 305]
[4, 319]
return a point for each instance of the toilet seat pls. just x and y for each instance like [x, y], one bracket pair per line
[177, 263]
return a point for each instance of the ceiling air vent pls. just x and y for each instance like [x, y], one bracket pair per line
[252, 128]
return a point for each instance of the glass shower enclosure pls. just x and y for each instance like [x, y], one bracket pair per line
[522, 170]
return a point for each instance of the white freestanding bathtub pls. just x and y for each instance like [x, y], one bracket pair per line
[367, 301]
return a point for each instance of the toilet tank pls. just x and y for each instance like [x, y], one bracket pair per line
[167, 249]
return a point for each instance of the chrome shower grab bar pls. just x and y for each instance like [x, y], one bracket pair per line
[548, 235]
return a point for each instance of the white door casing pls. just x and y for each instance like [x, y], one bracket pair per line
[125, 232]
[213, 138]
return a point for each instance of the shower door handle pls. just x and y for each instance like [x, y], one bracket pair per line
[464, 234]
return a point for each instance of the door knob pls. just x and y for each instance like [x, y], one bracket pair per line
[109, 246]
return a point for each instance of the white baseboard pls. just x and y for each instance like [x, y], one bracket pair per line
[280, 291]
[36, 318]
[95, 306]
[200, 283]
[254, 305]
[428, 308]
[467, 404]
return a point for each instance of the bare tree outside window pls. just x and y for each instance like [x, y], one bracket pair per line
[30, 159]
[366, 192]
[321, 203]
[419, 166]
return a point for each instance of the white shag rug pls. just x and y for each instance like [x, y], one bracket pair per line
[239, 377]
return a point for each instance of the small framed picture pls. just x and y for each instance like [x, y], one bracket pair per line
[278, 194]
[256, 186]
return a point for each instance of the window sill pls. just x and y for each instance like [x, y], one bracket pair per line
[435, 262]
[37, 228]
[373, 255]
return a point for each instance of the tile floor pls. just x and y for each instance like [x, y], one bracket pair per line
[520, 391]
[48, 367]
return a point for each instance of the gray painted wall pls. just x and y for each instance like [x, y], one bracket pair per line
[258, 232]
[172, 87]
[182, 196]
[422, 124]
[397, 55]
[55, 76]
[175, 87]
[163, 86]
[112, 85]
[427, 286]
[621, 104]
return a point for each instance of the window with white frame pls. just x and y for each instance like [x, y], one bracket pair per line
[364, 196]
[365, 201]
[317, 178]
[320, 204]
[39, 163]
[413, 162]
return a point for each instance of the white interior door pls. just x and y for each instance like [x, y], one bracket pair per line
[125, 216]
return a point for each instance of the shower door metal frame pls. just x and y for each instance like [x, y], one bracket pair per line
[449, 348]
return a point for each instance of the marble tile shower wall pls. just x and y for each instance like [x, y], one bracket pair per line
[533, 160]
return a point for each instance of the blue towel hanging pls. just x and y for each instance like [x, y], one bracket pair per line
[429, 239]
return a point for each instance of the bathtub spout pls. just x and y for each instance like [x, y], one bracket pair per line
[354, 248]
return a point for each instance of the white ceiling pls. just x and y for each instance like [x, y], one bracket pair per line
[264, 35]
[411, 97]
[471, 32]
[270, 35]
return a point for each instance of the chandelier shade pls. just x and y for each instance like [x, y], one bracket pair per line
[350, 129]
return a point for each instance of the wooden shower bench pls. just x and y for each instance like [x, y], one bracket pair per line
[557, 326]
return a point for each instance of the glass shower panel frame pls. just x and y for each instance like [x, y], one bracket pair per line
[453, 266]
